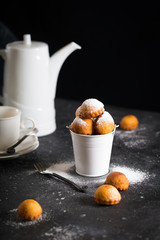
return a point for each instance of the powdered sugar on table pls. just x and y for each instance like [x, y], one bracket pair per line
[15, 221]
[67, 170]
[69, 232]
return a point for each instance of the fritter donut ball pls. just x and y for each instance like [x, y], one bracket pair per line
[107, 195]
[90, 108]
[77, 111]
[29, 209]
[104, 124]
[129, 122]
[118, 180]
[82, 126]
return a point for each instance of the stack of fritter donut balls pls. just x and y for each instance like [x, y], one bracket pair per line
[91, 118]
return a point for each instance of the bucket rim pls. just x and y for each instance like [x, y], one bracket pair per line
[94, 136]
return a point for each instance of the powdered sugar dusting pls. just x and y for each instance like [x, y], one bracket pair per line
[135, 138]
[79, 121]
[70, 232]
[67, 170]
[78, 110]
[15, 221]
[92, 102]
[105, 117]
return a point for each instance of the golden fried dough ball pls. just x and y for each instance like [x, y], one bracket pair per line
[104, 124]
[118, 180]
[129, 122]
[82, 126]
[90, 108]
[77, 111]
[107, 195]
[29, 209]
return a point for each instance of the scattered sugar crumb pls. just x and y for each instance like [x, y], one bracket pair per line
[133, 139]
[70, 232]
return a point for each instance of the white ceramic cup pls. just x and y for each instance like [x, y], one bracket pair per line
[10, 125]
[92, 153]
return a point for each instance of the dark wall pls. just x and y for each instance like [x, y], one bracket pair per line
[119, 61]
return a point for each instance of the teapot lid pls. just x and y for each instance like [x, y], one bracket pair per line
[26, 43]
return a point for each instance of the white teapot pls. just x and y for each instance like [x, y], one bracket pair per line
[30, 79]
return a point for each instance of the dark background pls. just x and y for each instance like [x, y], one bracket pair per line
[119, 61]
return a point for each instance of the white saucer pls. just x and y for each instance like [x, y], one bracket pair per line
[28, 145]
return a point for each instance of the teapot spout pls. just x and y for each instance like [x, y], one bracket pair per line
[57, 60]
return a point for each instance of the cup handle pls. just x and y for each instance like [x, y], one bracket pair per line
[25, 126]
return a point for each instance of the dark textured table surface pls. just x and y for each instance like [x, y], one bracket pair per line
[68, 214]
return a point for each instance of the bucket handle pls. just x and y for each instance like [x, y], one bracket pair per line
[1, 99]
